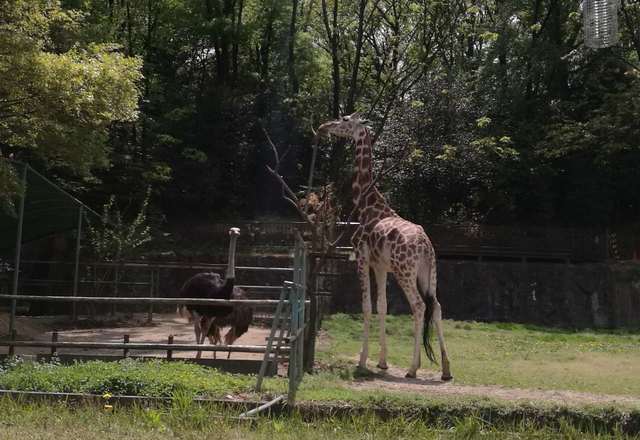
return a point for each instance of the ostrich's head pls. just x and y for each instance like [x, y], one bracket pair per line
[234, 233]
[346, 127]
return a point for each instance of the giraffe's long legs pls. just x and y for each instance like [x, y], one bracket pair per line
[381, 286]
[365, 287]
[437, 321]
[417, 308]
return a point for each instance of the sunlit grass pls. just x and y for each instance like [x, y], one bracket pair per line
[129, 377]
[512, 355]
[186, 421]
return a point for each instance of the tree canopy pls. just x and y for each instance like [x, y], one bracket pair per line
[497, 109]
[59, 96]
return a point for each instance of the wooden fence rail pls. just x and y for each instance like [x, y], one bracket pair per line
[141, 346]
[143, 300]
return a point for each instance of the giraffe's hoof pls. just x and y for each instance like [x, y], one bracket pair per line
[410, 375]
[446, 378]
[363, 373]
[382, 366]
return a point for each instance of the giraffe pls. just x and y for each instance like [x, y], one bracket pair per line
[385, 242]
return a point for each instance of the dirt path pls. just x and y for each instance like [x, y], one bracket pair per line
[163, 325]
[429, 383]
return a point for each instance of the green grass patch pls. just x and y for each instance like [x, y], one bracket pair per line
[187, 421]
[512, 355]
[127, 377]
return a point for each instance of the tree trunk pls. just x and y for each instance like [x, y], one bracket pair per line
[332, 37]
[293, 79]
[353, 88]
[236, 40]
[129, 51]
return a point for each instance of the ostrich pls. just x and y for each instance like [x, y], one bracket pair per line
[209, 285]
[238, 320]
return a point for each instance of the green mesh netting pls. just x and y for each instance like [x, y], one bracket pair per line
[48, 209]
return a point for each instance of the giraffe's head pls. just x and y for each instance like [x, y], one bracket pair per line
[346, 127]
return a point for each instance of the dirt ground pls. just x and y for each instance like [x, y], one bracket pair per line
[428, 382]
[113, 330]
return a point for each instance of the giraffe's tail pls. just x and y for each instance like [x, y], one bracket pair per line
[427, 287]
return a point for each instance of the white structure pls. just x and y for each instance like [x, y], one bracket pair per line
[600, 19]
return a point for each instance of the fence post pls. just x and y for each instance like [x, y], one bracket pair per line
[126, 350]
[170, 352]
[12, 337]
[54, 339]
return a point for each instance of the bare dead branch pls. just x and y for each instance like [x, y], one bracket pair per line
[290, 195]
[273, 148]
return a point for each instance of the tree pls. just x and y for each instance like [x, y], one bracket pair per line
[58, 97]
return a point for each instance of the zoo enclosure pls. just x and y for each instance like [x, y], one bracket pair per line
[288, 327]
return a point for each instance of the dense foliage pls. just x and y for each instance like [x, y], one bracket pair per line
[498, 110]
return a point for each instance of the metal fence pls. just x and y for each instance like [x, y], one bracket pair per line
[449, 240]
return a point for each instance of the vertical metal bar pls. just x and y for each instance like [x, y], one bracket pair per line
[274, 326]
[116, 287]
[16, 269]
[151, 292]
[76, 273]
[293, 345]
[302, 299]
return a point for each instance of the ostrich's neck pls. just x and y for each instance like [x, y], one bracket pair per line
[231, 265]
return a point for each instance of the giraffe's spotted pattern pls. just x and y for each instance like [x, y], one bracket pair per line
[385, 242]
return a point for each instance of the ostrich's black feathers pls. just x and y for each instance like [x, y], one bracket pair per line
[211, 286]
[239, 319]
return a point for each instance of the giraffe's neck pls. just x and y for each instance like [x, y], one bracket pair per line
[366, 197]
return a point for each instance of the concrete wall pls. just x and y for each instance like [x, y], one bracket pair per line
[565, 295]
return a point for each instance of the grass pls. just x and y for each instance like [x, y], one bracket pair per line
[187, 421]
[127, 377]
[511, 355]
[502, 354]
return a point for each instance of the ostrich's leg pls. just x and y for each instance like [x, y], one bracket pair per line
[214, 339]
[197, 329]
[229, 339]
[204, 332]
